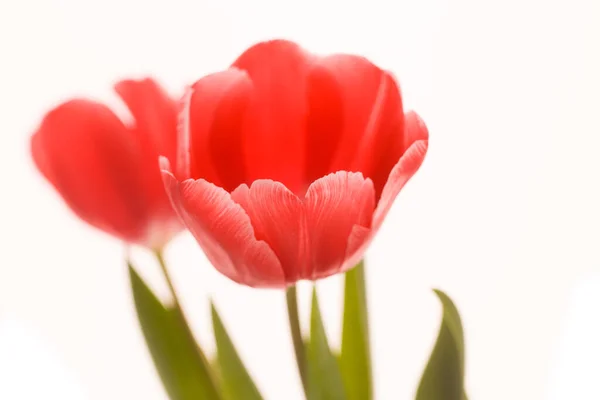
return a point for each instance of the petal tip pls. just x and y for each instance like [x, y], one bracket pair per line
[415, 126]
[125, 88]
[164, 164]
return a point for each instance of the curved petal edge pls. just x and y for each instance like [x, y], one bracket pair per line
[224, 231]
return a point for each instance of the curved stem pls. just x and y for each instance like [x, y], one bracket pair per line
[163, 267]
[299, 349]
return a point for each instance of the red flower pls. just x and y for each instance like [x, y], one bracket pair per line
[107, 171]
[288, 162]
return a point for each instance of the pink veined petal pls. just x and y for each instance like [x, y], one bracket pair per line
[401, 173]
[414, 129]
[277, 217]
[334, 204]
[409, 163]
[275, 125]
[224, 231]
[358, 241]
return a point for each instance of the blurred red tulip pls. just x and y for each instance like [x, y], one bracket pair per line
[288, 162]
[107, 171]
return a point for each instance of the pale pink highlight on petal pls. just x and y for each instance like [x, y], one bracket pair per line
[414, 129]
[358, 241]
[408, 165]
[334, 204]
[360, 238]
[277, 217]
[224, 231]
[182, 164]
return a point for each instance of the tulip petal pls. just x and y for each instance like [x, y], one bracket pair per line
[93, 161]
[402, 172]
[414, 129]
[155, 116]
[334, 204]
[277, 217]
[224, 231]
[276, 119]
[202, 102]
[359, 81]
[373, 123]
[226, 133]
[359, 239]
[382, 143]
[40, 158]
[324, 123]
[409, 163]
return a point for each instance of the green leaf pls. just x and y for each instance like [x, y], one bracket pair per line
[235, 380]
[216, 372]
[355, 359]
[443, 378]
[180, 363]
[324, 377]
[299, 342]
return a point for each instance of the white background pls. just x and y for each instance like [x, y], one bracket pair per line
[504, 215]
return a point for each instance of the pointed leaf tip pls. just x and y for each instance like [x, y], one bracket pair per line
[179, 361]
[324, 377]
[443, 378]
[235, 379]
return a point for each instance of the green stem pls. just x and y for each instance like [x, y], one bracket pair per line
[292, 308]
[183, 319]
[163, 268]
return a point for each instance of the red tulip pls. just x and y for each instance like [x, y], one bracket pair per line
[106, 170]
[288, 162]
